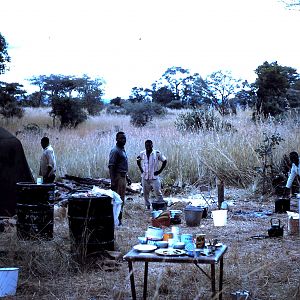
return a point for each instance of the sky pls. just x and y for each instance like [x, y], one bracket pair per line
[131, 43]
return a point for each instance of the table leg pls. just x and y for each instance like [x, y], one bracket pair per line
[131, 276]
[145, 281]
[221, 279]
[213, 279]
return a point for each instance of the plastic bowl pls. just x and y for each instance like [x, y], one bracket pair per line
[162, 244]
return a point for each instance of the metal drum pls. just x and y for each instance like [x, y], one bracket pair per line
[35, 205]
[91, 225]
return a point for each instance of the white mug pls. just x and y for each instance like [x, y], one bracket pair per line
[39, 180]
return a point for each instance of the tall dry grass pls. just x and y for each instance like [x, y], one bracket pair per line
[191, 157]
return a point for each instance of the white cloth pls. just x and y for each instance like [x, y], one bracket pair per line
[294, 172]
[116, 201]
[151, 165]
[48, 159]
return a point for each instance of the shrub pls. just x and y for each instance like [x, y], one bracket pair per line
[175, 104]
[113, 109]
[197, 120]
[143, 113]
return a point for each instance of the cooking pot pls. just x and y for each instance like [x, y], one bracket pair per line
[275, 229]
[162, 205]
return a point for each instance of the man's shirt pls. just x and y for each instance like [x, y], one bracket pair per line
[151, 164]
[48, 159]
[118, 160]
[294, 172]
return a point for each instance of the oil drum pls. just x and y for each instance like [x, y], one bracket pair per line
[35, 206]
[91, 225]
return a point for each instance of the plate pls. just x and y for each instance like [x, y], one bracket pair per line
[144, 248]
[170, 252]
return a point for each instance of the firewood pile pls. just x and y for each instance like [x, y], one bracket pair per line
[74, 184]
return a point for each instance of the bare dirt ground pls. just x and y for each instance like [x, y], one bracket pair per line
[269, 268]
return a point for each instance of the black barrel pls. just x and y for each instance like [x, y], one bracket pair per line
[91, 225]
[35, 205]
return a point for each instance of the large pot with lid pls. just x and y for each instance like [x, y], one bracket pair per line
[193, 215]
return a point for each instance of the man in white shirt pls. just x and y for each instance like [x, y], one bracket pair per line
[294, 158]
[148, 163]
[48, 162]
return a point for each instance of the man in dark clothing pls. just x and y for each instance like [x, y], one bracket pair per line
[118, 168]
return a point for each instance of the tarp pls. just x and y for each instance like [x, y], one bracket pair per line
[13, 168]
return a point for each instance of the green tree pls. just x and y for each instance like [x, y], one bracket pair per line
[88, 91]
[11, 96]
[68, 110]
[272, 84]
[91, 92]
[293, 95]
[38, 98]
[163, 95]
[219, 88]
[118, 101]
[139, 95]
[193, 93]
[246, 97]
[177, 84]
[292, 4]
[176, 76]
[4, 57]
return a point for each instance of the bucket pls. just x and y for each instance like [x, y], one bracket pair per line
[35, 210]
[219, 217]
[91, 225]
[8, 281]
[193, 215]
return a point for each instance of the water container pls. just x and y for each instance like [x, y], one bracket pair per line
[219, 217]
[8, 281]
[193, 215]
[35, 210]
[91, 225]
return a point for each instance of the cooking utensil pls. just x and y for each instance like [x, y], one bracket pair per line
[275, 230]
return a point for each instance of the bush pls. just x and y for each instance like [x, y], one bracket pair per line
[143, 113]
[113, 109]
[197, 120]
[175, 104]
[93, 106]
[11, 109]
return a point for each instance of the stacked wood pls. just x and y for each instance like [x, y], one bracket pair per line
[74, 184]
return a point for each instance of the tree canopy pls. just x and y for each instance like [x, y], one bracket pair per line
[4, 57]
[272, 84]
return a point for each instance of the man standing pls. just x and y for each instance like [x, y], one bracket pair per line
[295, 170]
[48, 162]
[118, 168]
[148, 163]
